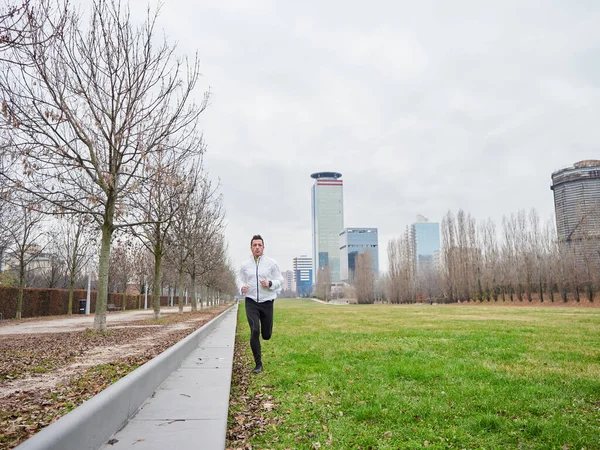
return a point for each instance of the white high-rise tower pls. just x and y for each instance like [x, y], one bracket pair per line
[327, 222]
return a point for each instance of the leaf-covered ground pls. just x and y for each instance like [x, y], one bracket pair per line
[44, 376]
[247, 407]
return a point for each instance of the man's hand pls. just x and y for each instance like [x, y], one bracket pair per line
[244, 290]
[265, 283]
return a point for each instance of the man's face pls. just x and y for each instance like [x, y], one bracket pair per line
[257, 248]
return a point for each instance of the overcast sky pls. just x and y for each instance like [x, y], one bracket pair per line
[424, 107]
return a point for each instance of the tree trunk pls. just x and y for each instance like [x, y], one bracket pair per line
[181, 291]
[156, 282]
[21, 286]
[194, 297]
[71, 288]
[102, 297]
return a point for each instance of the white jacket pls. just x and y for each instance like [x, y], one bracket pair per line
[251, 272]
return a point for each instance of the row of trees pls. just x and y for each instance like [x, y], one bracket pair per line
[526, 262]
[362, 284]
[100, 126]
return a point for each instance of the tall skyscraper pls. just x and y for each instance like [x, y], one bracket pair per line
[425, 239]
[577, 207]
[303, 275]
[353, 242]
[327, 222]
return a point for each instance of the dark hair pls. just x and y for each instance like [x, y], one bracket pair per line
[257, 237]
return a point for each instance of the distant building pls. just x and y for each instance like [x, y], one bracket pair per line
[425, 243]
[303, 275]
[327, 221]
[38, 261]
[353, 242]
[577, 207]
[288, 281]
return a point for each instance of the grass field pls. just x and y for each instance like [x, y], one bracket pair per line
[421, 376]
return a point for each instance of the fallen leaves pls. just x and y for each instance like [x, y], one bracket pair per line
[249, 414]
[25, 411]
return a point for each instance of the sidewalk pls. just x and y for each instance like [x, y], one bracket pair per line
[189, 410]
[78, 322]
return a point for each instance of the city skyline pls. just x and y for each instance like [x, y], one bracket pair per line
[424, 108]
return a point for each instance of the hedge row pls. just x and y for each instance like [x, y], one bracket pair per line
[55, 302]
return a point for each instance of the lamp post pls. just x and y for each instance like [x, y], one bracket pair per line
[87, 297]
[145, 294]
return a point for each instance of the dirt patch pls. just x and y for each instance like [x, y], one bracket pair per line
[46, 374]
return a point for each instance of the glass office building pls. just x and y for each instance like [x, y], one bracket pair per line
[327, 222]
[577, 206]
[425, 238]
[353, 242]
[303, 275]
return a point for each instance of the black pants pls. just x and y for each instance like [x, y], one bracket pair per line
[260, 319]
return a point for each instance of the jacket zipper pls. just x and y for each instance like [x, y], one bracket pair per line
[257, 294]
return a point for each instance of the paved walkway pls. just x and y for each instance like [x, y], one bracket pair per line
[189, 410]
[78, 322]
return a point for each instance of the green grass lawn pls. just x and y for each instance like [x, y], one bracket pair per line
[404, 377]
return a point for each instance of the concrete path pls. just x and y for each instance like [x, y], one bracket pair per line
[189, 410]
[78, 322]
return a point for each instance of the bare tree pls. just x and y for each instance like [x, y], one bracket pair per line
[536, 255]
[76, 245]
[402, 280]
[9, 220]
[27, 243]
[123, 266]
[393, 275]
[551, 257]
[142, 271]
[206, 243]
[324, 283]
[449, 266]
[30, 22]
[510, 252]
[220, 282]
[53, 273]
[178, 250]
[490, 260]
[364, 278]
[89, 110]
[158, 202]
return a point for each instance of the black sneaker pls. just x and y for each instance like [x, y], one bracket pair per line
[258, 368]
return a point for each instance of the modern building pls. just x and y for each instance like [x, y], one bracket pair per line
[577, 208]
[288, 281]
[303, 275]
[327, 222]
[425, 242]
[353, 242]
